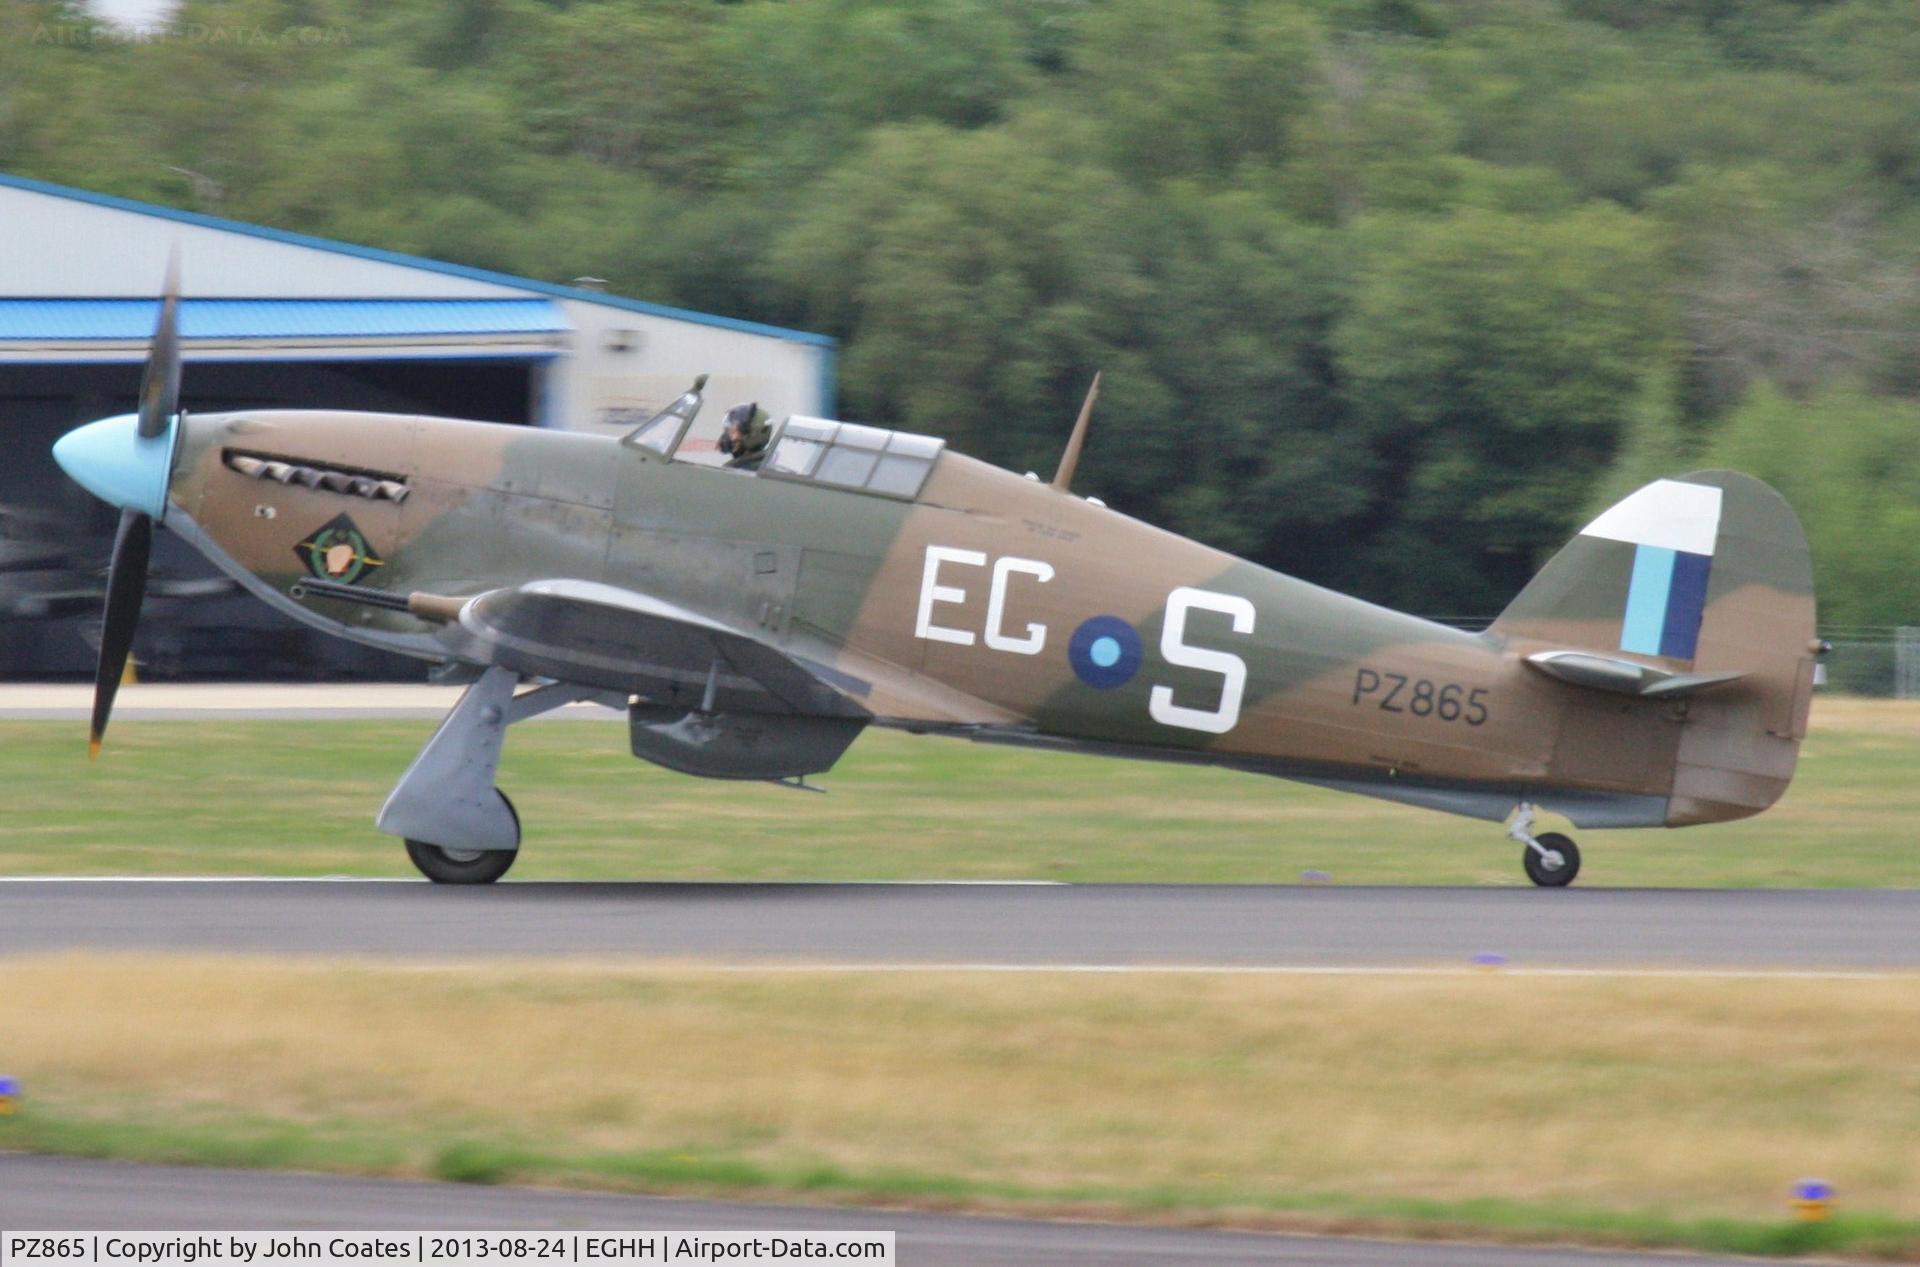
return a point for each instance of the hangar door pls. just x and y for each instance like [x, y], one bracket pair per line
[64, 362]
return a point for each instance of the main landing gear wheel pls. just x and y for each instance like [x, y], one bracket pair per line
[1549, 871]
[466, 866]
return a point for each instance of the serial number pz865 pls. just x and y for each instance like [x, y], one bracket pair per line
[1422, 697]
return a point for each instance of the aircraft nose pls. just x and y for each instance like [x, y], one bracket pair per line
[114, 462]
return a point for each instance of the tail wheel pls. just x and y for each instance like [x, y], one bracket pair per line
[1546, 871]
[466, 866]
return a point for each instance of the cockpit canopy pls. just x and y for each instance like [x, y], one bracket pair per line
[807, 450]
[851, 456]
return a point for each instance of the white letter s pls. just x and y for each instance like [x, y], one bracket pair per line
[1231, 668]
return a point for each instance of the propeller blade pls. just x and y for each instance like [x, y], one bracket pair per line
[126, 586]
[160, 385]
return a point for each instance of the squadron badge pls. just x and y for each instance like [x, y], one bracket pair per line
[338, 552]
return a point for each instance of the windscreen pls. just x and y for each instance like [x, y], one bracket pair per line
[663, 432]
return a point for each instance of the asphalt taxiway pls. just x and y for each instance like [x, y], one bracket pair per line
[1091, 926]
[57, 1193]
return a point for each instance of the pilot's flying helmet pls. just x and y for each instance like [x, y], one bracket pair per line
[747, 430]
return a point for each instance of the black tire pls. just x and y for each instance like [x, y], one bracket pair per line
[466, 866]
[1551, 877]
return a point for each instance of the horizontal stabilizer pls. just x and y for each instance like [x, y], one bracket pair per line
[1623, 677]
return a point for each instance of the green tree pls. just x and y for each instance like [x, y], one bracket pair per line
[1493, 361]
[1847, 462]
[1243, 303]
[976, 276]
[809, 80]
[634, 87]
[1193, 89]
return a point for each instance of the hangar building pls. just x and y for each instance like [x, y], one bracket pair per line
[274, 319]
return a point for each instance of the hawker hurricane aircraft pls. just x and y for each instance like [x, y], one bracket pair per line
[753, 621]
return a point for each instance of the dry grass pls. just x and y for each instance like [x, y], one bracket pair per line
[1862, 715]
[1690, 1096]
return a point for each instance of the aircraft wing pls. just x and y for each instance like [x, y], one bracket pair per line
[591, 634]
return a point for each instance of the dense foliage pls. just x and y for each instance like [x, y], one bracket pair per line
[1388, 293]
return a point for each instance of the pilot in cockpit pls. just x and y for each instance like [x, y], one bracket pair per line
[744, 437]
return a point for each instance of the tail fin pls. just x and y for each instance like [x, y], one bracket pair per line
[1697, 589]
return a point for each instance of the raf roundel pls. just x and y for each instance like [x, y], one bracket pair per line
[1105, 652]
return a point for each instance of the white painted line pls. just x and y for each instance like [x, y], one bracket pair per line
[210, 879]
[952, 884]
[1320, 970]
[378, 879]
[601, 963]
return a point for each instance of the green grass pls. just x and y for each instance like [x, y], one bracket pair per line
[298, 798]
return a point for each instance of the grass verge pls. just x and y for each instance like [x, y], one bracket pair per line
[297, 798]
[1871, 1236]
[1610, 1110]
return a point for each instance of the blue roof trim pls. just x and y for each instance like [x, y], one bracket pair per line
[133, 319]
[415, 261]
[305, 356]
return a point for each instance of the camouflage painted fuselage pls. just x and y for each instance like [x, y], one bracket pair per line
[998, 607]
